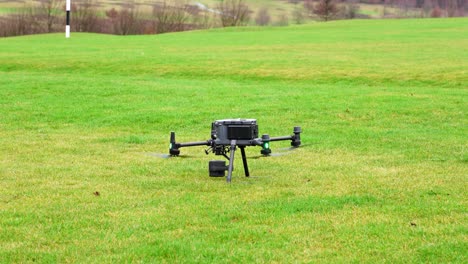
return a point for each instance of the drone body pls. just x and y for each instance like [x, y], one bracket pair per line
[226, 136]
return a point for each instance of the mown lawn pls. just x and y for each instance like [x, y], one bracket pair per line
[382, 176]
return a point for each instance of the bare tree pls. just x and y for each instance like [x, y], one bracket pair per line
[25, 22]
[298, 14]
[14, 25]
[162, 13]
[202, 19]
[233, 13]
[426, 8]
[326, 9]
[129, 20]
[283, 20]
[85, 16]
[403, 7]
[452, 8]
[436, 12]
[47, 11]
[263, 17]
[171, 18]
[462, 7]
[350, 10]
[309, 7]
[112, 16]
[125, 22]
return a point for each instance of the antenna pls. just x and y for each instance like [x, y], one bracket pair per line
[67, 27]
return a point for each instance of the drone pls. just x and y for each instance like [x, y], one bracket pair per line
[226, 136]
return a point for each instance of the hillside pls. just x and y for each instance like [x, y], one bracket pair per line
[413, 51]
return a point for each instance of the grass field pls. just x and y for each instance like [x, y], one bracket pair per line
[382, 176]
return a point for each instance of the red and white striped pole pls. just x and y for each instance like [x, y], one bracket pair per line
[67, 27]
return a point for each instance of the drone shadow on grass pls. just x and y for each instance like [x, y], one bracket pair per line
[167, 156]
[280, 152]
[275, 153]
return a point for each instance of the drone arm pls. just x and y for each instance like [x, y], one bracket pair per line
[281, 138]
[174, 146]
[192, 144]
[266, 139]
[295, 137]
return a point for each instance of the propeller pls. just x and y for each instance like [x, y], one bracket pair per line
[167, 156]
[280, 152]
[275, 154]
[294, 148]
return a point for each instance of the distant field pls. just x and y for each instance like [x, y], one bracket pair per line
[276, 8]
[382, 176]
[273, 4]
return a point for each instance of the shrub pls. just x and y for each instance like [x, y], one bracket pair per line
[298, 14]
[436, 12]
[85, 17]
[170, 18]
[125, 22]
[263, 17]
[233, 13]
[326, 9]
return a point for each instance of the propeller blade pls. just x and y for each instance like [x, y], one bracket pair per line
[291, 148]
[167, 156]
[274, 154]
[280, 152]
[159, 155]
[256, 157]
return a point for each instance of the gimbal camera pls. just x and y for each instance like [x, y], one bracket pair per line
[226, 136]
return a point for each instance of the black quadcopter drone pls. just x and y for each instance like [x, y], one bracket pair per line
[226, 136]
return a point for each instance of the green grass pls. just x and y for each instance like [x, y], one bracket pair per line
[383, 109]
[8, 10]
